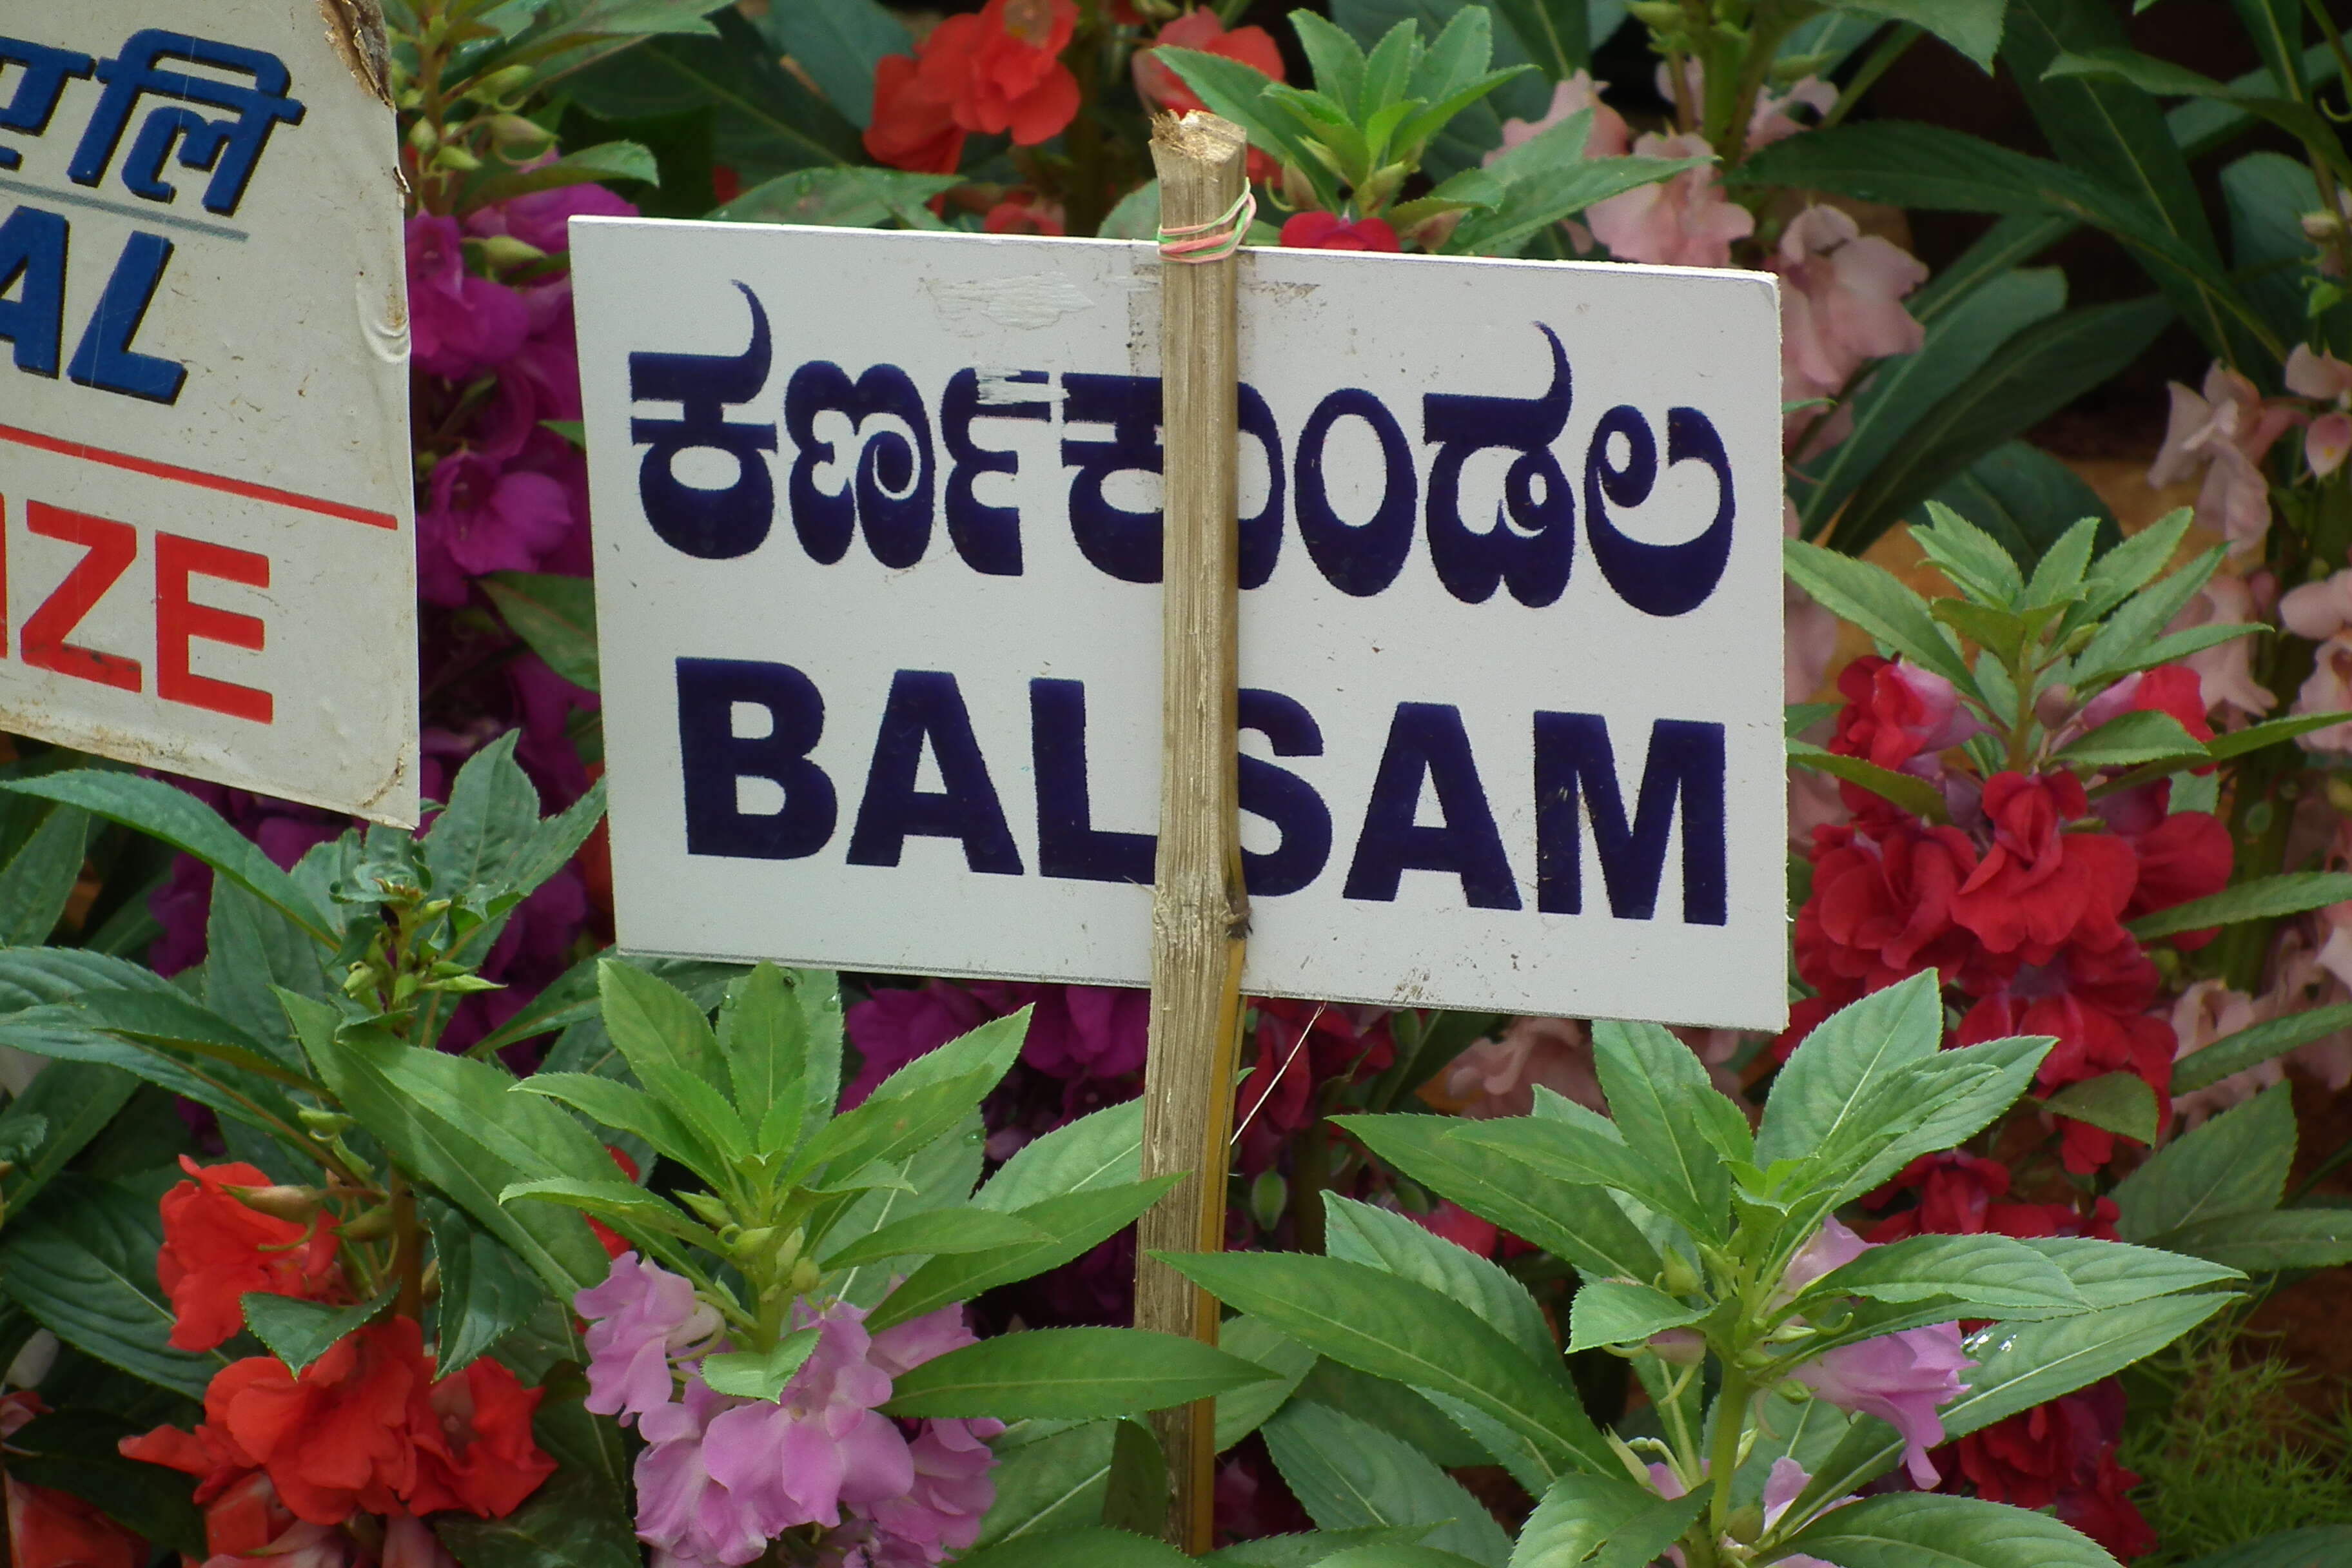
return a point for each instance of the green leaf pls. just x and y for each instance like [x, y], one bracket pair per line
[1047, 1483]
[1658, 1094]
[555, 615]
[1069, 1372]
[64, 1106]
[1879, 602]
[40, 874]
[616, 1105]
[2116, 136]
[762, 1035]
[186, 823]
[152, 1031]
[1103, 1148]
[556, 841]
[1308, 1547]
[299, 1333]
[1064, 1226]
[1902, 388]
[938, 1232]
[1244, 1410]
[1921, 1531]
[2165, 79]
[1971, 27]
[624, 1204]
[252, 948]
[2236, 1163]
[2022, 495]
[1348, 1474]
[885, 1130]
[2038, 370]
[767, 121]
[702, 1107]
[2111, 1273]
[938, 1177]
[1388, 1241]
[2119, 1102]
[74, 1451]
[1990, 1271]
[1935, 1104]
[841, 198]
[838, 43]
[1914, 795]
[452, 1122]
[2252, 1047]
[1235, 91]
[486, 1291]
[605, 163]
[2287, 1549]
[2018, 1366]
[2261, 899]
[1583, 1516]
[2263, 1243]
[1619, 1313]
[2134, 737]
[1546, 182]
[749, 1375]
[1135, 1496]
[493, 810]
[1395, 1409]
[1579, 1224]
[1086, 1547]
[83, 1264]
[1848, 1055]
[656, 1025]
[1394, 1328]
[571, 1522]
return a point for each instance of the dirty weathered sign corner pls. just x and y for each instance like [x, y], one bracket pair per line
[207, 538]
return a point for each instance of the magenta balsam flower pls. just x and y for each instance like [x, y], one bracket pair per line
[690, 1519]
[638, 1319]
[794, 1461]
[1901, 1378]
[941, 1510]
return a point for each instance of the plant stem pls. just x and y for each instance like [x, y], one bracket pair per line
[1730, 1424]
[408, 1255]
[1896, 45]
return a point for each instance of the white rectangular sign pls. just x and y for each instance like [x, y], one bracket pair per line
[204, 491]
[877, 551]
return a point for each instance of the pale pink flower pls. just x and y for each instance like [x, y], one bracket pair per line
[2312, 374]
[902, 1347]
[796, 1460]
[2300, 982]
[2329, 690]
[1682, 222]
[2318, 610]
[1841, 307]
[1813, 802]
[2209, 1011]
[1783, 1485]
[1901, 1378]
[1772, 122]
[689, 1518]
[2226, 431]
[638, 1319]
[941, 1509]
[2327, 443]
[2225, 671]
[1608, 137]
[1498, 1077]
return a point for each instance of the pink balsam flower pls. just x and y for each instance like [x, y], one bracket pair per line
[1685, 221]
[1901, 1378]
[1841, 296]
[687, 1515]
[2225, 431]
[638, 1319]
[2225, 671]
[796, 1460]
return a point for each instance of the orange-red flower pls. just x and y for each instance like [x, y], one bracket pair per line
[49, 1528]
[215, 1251]
[1000, 70]
[364, 1427]
[1315, 231]
[911, 130]
[1161, 87]
[473, 1446]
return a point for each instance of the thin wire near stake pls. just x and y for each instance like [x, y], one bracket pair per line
[1213, 240]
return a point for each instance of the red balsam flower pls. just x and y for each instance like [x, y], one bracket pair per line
[1161, 87]
[216, 1251]
[2043, 882]
[1315, 231]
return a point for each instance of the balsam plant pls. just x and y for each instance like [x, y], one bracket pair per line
[799, 1207]
[1701, 1246]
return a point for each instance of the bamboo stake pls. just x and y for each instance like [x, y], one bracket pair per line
[1200, 914]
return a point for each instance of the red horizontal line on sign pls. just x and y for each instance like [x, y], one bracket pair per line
[200, 480]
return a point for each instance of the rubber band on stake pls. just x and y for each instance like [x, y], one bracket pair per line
[1213, 240]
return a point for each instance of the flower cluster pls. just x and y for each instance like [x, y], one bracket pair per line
[721, 1477]
[997, 72]
[290, 1461]
[2018, 900]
